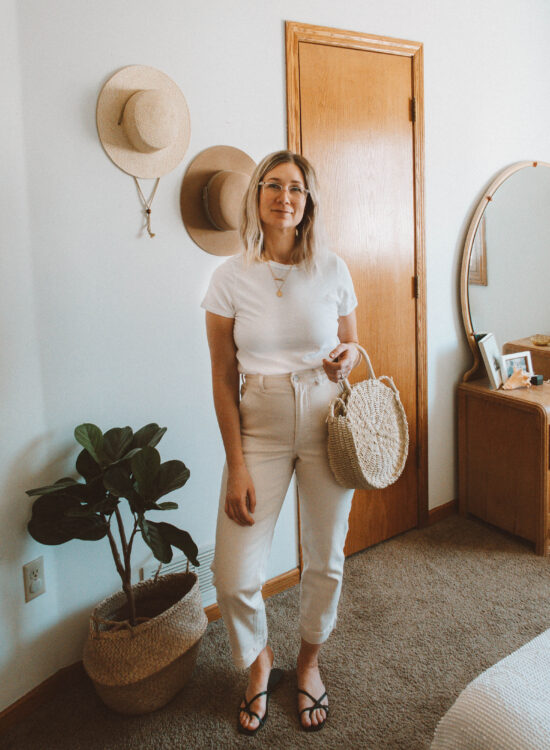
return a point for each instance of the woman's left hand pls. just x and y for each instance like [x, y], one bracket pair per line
[347, 356]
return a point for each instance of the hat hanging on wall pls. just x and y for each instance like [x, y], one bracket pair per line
[143, 124]
[211, 195]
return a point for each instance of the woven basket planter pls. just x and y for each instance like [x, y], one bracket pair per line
[138, 669]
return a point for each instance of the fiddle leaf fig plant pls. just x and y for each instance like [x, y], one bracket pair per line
[115, 466]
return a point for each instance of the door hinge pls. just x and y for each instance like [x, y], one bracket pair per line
[413, 109]
[416, 292]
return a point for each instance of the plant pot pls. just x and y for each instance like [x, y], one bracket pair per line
[138, 669]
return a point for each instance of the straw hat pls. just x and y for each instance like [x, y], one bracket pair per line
[211, 197]
[143, 121]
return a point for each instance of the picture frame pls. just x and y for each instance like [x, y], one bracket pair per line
[516, 359]
[492, 359]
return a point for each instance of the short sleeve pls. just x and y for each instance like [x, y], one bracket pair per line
[219, 298]
[347, 301]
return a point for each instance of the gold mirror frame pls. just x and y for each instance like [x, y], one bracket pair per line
[467, 254]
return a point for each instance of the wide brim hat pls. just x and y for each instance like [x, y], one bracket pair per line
[143, 121]
[211, 196]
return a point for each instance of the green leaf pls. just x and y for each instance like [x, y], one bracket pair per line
[116, 443]
[145, 467]
[180, 539]
[95, 490]
[48, 532]
[48, 489]
[107, 505]
[86, 466]
[51, 523]
[90, 437]
[83, 511]
[52, 507]
[166, 506]
[89, 529]
[149, 435]
[155, 541]
[118, 481]
[171, 476]
[127, 456]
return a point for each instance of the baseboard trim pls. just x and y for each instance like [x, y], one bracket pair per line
[442, 511]
[38, 695]
[273, 586]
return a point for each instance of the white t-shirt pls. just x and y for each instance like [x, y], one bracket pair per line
[274, 335]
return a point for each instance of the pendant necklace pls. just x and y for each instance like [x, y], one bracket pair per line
[279, 283]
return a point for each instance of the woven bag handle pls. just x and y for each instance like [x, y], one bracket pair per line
[365, 356]
[390, 383]
[346, 384]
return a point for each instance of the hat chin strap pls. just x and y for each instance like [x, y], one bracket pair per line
[147, 204]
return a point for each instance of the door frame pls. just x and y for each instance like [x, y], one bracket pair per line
[300, 32]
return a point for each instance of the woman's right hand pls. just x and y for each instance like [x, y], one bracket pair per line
[240, 497]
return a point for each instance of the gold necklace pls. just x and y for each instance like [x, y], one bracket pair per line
[279, 283]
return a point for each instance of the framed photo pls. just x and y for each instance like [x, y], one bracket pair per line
[518, 360]
[492, 358]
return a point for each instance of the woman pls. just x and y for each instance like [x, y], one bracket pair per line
[282, 315]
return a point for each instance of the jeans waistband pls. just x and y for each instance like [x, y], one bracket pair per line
[316, 375]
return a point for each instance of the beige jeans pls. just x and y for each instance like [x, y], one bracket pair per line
[283, 427]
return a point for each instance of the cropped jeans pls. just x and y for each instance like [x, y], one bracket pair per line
[283, 428]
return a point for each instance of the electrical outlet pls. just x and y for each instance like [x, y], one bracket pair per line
[33, 578]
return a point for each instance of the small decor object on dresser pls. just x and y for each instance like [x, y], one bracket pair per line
[540, 339]
[518, 379]
[492, 358]
[516, 361]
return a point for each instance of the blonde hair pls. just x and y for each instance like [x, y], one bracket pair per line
[308, 245]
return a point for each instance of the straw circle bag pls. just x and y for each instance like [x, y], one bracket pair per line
[368, 435]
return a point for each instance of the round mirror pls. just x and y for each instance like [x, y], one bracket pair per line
[506, 265]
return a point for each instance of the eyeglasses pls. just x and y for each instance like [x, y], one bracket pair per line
[275, 188]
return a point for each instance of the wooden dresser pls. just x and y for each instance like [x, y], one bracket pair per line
[504, 461]
[540, 355]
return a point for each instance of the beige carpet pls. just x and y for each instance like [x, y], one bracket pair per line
[421, 615]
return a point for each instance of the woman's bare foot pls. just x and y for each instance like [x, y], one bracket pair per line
[257, 683]
[309, 679]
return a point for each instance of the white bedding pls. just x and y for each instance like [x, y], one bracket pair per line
[506, 708]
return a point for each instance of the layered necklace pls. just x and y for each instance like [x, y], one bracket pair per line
[279, 282]
[278, 279]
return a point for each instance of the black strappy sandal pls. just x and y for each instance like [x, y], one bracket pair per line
[316, 704]
[275, 677]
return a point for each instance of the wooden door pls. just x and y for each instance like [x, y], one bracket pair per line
[354, 107]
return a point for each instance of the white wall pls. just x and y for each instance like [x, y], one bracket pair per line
[102, 324]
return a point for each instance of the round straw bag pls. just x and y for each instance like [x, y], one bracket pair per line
[368, 435]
